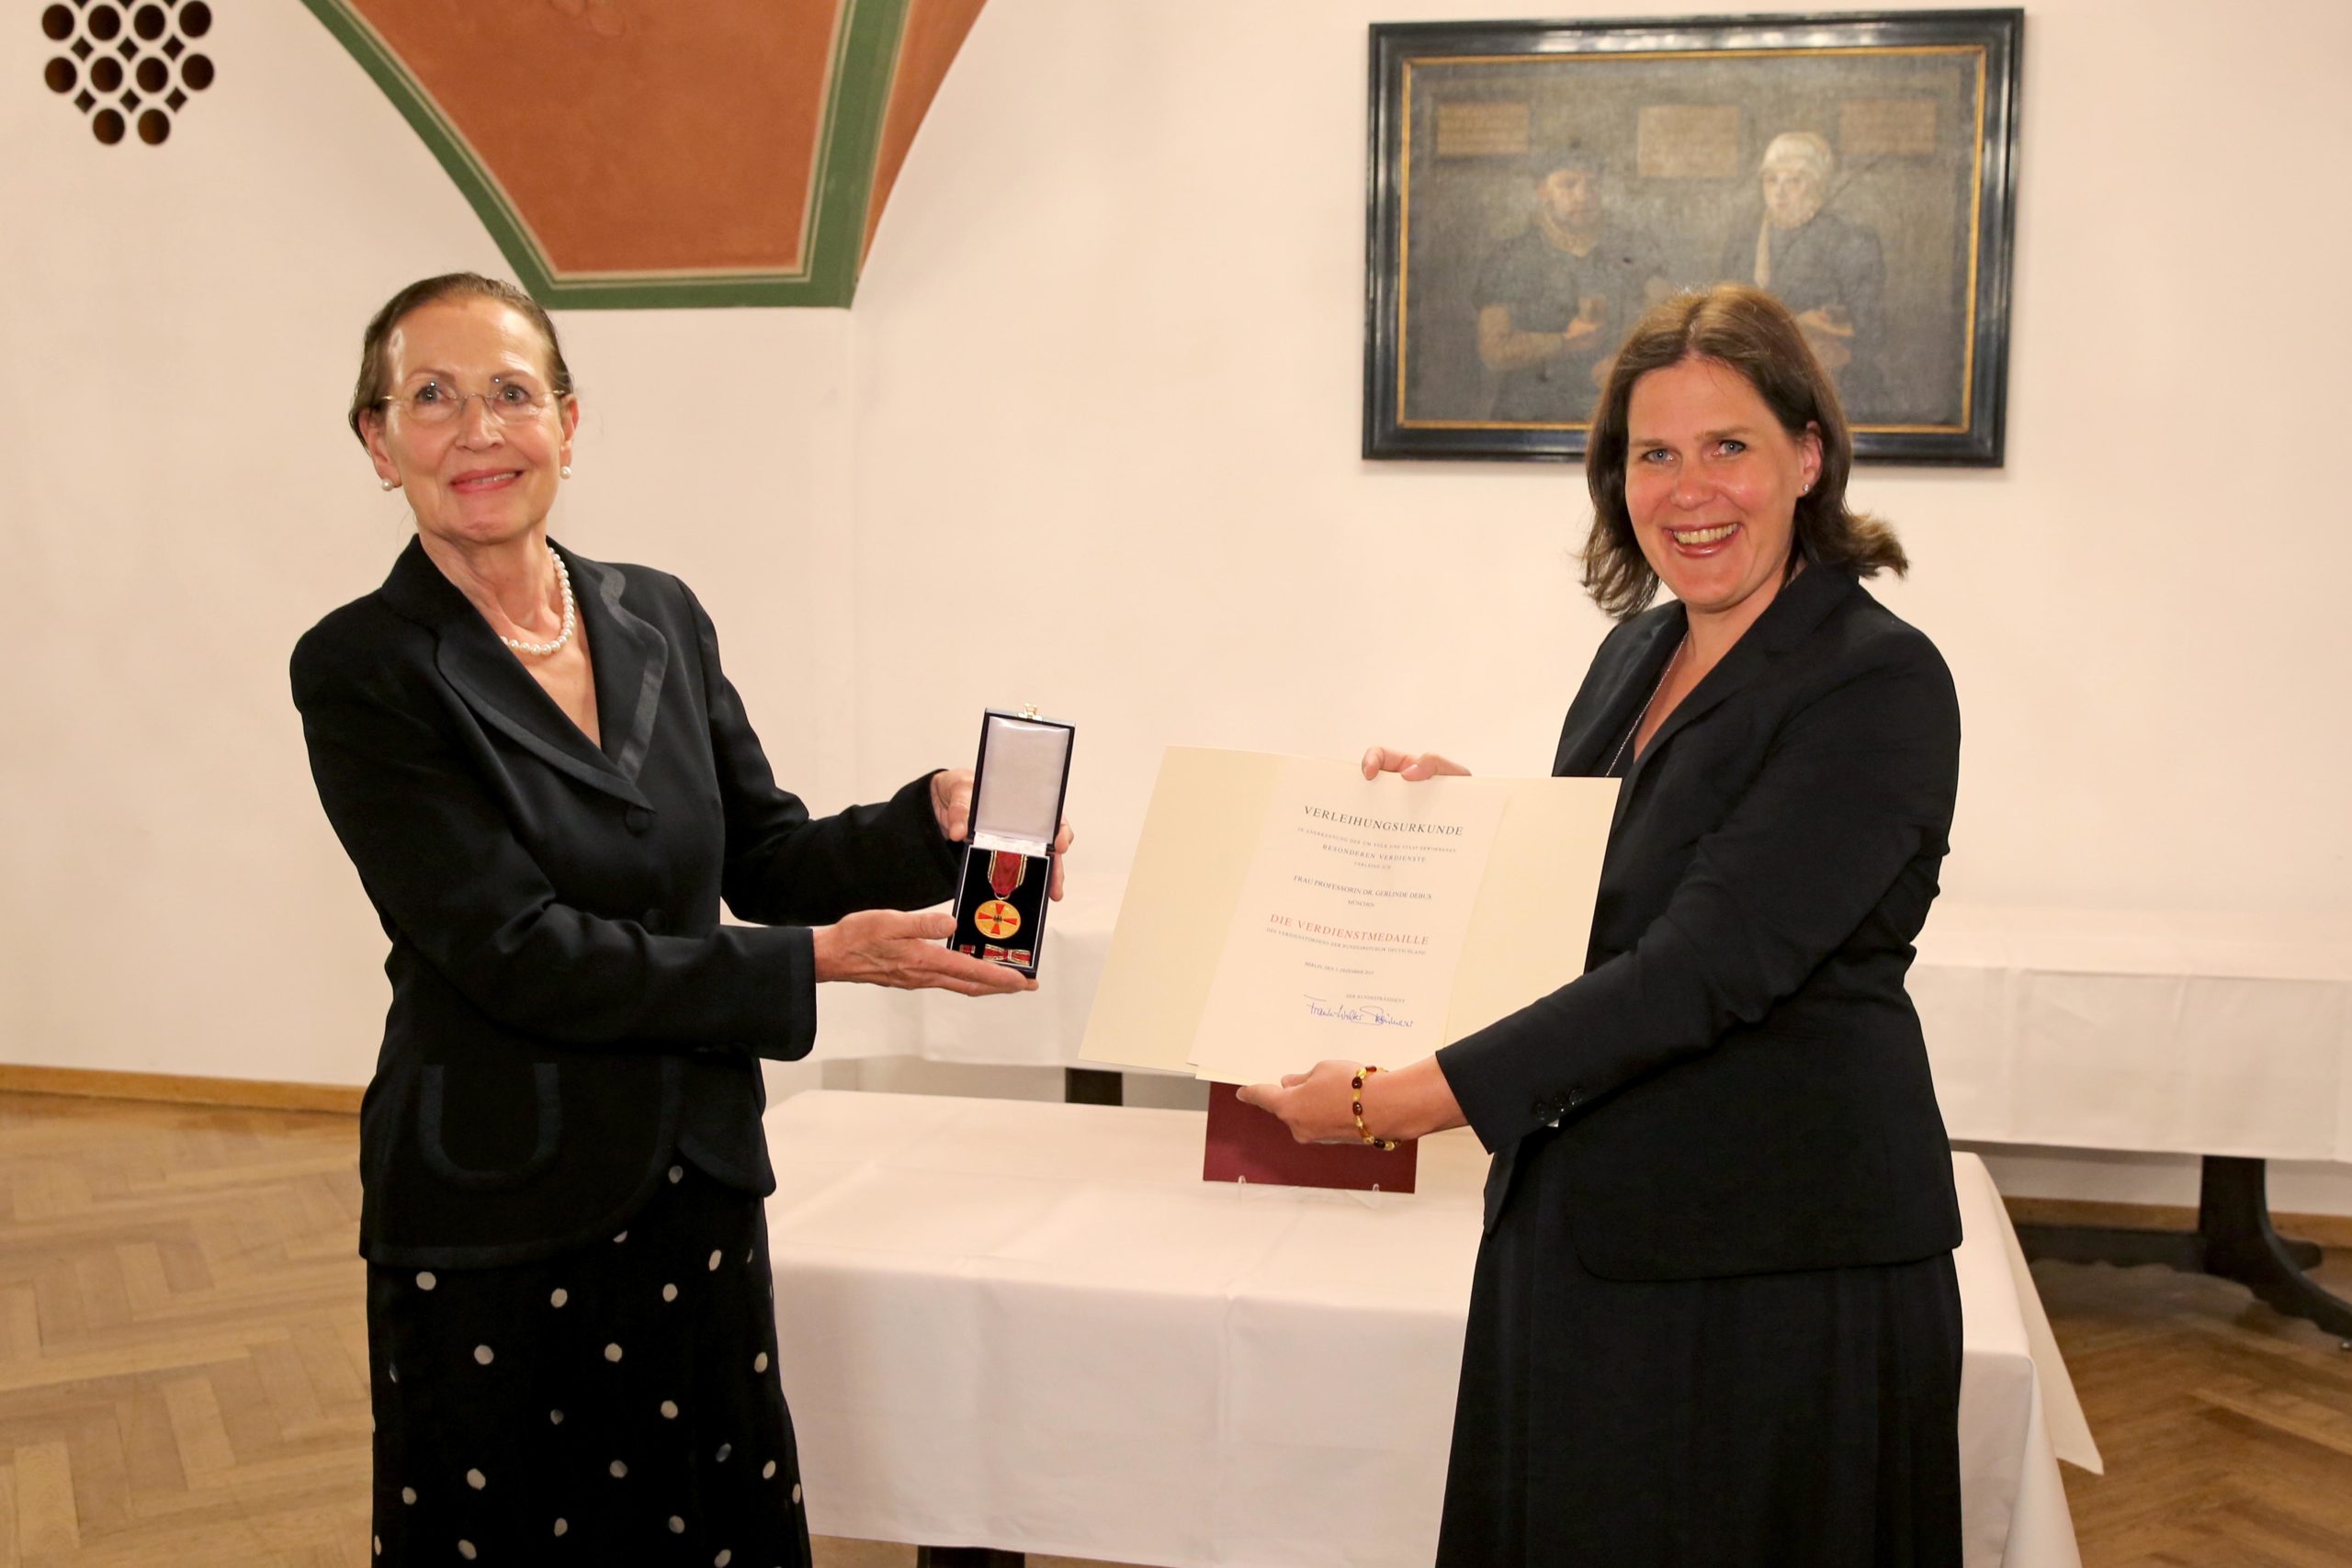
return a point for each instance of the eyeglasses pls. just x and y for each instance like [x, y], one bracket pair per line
[510, 401]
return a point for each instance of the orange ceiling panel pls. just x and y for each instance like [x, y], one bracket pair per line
[634, 137]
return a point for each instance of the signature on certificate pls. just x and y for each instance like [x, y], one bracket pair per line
[1368, 1013]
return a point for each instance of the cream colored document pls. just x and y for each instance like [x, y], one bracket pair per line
[1281, 910]
[1350, 921]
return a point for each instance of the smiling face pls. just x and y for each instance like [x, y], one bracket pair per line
[1712, 482]
[475, 481]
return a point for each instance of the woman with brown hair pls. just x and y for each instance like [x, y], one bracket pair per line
[548, 784]
[1714, 1319]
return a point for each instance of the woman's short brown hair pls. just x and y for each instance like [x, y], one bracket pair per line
[370, 391]
[1753, 333]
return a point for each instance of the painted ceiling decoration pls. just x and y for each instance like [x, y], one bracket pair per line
[128, 64]
[626, 153]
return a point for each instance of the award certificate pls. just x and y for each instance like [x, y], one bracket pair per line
[1351, 917]
[1282, 909]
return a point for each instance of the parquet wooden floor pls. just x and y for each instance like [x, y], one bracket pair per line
[182, 1366]
[182, 1349]
[2227, 1428]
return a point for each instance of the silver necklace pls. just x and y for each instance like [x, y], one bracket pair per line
[1672, 659]
[570, 615]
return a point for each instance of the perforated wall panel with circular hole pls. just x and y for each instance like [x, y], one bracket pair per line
[128, 64]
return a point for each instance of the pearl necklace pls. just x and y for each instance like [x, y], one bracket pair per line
[570, 615]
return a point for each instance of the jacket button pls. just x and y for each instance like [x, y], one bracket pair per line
[639, 820]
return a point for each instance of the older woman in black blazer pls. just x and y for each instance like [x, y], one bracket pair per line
[1714, 1319]
[547, 785]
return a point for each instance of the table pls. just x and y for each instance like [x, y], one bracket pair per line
[2228, 1036]
[1034, 1327]
[2185, 1033]
[1036, 1029]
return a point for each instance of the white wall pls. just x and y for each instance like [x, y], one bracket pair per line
[1110, 338]
[181, 498]
[1114, 319]
[1099, 401]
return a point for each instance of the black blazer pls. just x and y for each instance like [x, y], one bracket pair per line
[568, 1013]
[1738, 1075]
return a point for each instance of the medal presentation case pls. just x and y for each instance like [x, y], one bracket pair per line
[1018, 786]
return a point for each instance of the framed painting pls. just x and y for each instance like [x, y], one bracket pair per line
[1536, 186]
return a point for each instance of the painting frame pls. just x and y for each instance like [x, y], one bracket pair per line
[1464, 117]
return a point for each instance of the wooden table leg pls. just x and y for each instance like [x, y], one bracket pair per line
[2234, 1239]
[1092, 1086]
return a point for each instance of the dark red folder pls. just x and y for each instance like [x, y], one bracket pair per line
[1246, 1144]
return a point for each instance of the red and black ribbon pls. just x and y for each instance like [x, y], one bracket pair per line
[1006, 870]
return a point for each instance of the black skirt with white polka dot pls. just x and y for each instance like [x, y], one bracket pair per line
[618, 1403]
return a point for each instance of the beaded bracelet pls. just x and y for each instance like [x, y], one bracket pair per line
[1362, 1073]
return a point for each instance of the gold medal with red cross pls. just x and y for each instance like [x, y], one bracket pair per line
[997, 919]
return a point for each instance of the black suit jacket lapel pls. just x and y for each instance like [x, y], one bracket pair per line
[632, 657]
[1597, 722]
[1795, 612]
[492, 682]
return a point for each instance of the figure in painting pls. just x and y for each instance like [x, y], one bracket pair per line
[1828, 272]
[1555, 300]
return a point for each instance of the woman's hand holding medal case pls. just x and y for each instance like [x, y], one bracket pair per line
[1009, 856]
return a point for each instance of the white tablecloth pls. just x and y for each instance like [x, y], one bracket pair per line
[1033, 1326]
[2165, 1033]
[1035, 1029]
[2205, 1034]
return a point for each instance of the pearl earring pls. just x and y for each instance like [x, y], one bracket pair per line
[567, 470]
[391, 484]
